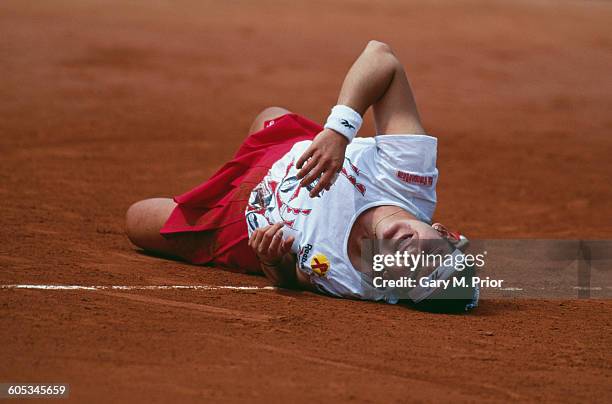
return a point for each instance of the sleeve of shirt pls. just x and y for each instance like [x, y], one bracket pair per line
[405, 166]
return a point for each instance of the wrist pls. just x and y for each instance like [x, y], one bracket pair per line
[338, 135]
[345, 121]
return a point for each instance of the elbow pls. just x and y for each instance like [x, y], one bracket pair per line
[383, 56]
[379, 47]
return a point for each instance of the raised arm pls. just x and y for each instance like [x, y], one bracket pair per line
[375, 79]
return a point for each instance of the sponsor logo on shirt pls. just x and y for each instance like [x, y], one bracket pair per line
[352, 179]
[319, 264]
[415, 178]
[303, 254]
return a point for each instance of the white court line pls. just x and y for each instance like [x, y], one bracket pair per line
[588, 288]
[135, 287]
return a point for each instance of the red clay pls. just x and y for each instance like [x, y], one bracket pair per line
[105, 103]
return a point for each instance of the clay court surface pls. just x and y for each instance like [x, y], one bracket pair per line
[103, 103]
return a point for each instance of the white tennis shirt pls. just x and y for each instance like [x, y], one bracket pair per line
[395, 170]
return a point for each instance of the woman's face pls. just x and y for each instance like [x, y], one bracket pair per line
[407, 236]
[411, 235]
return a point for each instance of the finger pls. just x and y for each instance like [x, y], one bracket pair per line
[312, 175]
[256, 238]
[276, 242]
[267, 238]
[309, 166]
[275, 227]
[260, 233]
[334, 179]
[251, 238]
[305, 156]
[270, 232]
[286, 245]
[324, 183]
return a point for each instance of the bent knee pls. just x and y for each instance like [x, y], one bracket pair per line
[144, 219]
[133, 219]
[273, 112]
[265, 115]
[378, 46]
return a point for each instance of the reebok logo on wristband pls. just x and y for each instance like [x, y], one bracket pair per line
[346, 123]
[344, 120]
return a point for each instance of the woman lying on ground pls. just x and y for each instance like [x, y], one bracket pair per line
[299, 202]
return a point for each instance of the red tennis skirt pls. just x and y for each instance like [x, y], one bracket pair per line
[215, 209]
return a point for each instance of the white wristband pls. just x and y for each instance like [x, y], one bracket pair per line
[344, 120]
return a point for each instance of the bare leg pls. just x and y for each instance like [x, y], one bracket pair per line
[265, 115]
[145, 218]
